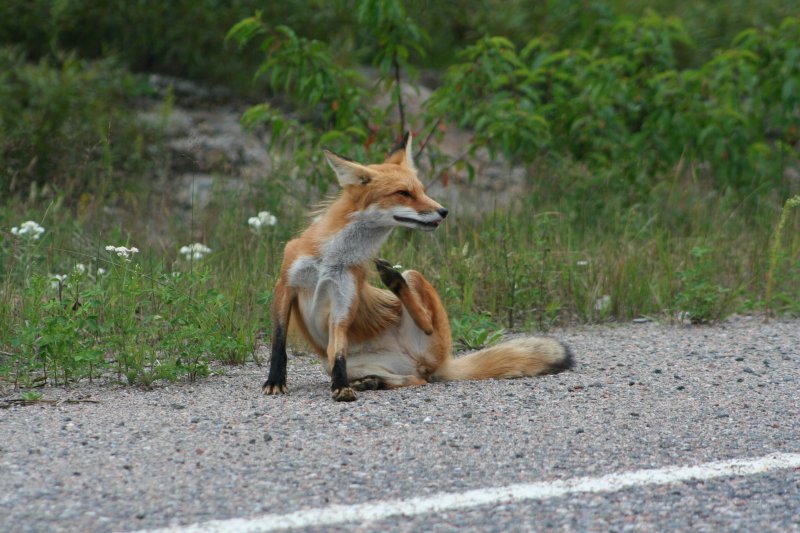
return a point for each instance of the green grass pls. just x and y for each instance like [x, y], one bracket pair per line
[154, 316]
[544, 263]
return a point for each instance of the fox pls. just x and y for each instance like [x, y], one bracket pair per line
[368, 337]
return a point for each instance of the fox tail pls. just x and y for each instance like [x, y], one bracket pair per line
[528, 356]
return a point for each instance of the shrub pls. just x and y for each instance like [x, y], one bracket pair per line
[64, 122]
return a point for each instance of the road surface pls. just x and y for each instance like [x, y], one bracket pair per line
[658, 428]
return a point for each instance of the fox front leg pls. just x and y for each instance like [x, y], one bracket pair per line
[337, 350]
[341, 288]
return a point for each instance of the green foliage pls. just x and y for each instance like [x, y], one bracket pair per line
[327, 95]
[473, 332]
[628, 97]
[306, 70]
[775, 250]
[699, 299]
[396, 36]
[184, 37]
[121, 315]
[624, 101]
[32, 396]
[392, 32]
[492, 93]
[64, 122]
[713, 24]
[180, 37]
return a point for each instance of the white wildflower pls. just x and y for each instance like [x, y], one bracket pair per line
[101, 271]
[80, 268]
[264, 218]
[29, 229]
[122, 251]
[397, 267]
[582, 263]
[195, 251]
[57, 279]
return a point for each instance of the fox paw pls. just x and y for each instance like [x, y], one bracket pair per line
[391, 277]
[345, 394]
[270, 389]
[367, 383]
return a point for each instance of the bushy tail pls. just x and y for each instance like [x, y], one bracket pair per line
[528, 356]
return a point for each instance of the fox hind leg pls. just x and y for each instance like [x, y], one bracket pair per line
[281, 310]
[395, 282]
[368, 383]
[386, 382]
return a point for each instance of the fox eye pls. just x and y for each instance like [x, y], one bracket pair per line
[404, 194]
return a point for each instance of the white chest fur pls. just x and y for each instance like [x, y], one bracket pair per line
[327, 286]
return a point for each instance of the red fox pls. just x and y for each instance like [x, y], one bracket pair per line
[370, 338]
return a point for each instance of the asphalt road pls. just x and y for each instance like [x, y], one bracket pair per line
[642, 396]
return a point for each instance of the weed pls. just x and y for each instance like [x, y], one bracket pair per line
[775, 249]
[31, 396]
[475, 331]
[700, 300]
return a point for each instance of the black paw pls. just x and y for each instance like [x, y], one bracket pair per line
[269, 389]
[391, 277]
[367, 383]
[345, 394]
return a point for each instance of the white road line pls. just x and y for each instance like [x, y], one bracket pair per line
[436, 503]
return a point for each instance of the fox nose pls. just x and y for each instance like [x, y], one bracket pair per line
[442, 212]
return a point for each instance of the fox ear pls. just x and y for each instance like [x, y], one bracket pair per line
[402, 154]
[348, 172]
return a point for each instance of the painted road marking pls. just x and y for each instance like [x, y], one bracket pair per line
[437, 503]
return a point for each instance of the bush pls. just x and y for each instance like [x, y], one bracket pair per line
[184, 37]
[626, 103]
[64, 122]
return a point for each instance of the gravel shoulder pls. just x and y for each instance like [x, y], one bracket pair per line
[641, 396]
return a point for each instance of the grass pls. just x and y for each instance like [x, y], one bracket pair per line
[553, 259]
[72, 309]
[776, 248]
[560, 256]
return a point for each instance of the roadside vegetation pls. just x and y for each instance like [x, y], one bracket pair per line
[660, 157]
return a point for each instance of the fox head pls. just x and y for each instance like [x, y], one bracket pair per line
[389, 193]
